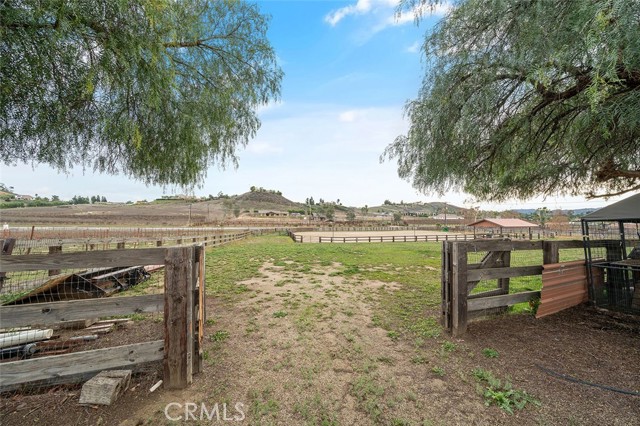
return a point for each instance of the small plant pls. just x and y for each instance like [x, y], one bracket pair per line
[490, 353]
[418, 359]
[534, 304]
[438, 371]
[502, 394]
[219, 336]
[279, 314]
[210, 321]
[393, 335]
[449, 346]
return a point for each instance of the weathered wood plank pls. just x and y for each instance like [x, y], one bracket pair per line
[54, 312]
[459, 289]
[502, 300]
[178, 320]
[495, 273]
[56, 367]
[95, 259]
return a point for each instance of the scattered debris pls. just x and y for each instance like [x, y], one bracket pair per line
[85, 285]
[18, 338]
[156, 386]
[105, 387]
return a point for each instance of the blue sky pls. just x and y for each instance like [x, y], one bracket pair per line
[350, 67]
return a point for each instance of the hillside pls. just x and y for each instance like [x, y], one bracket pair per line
[428, 209]
[262, 200]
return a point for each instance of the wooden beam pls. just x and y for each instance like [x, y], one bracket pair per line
[550, 252]
[495, 273]
[17, 373]
[96, 259]
[459, 289]
[71, 310]
[178, 320]
[502, 300]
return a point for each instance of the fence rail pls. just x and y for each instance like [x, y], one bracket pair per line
[51, 245]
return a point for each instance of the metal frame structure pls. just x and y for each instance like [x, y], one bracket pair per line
[617, 254]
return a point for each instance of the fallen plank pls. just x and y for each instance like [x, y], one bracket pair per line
[57, 368]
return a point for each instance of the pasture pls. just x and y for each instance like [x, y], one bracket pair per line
[346, 334]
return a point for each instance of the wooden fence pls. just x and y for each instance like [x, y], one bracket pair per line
[183, 304]
[54, 245]
[459, 277]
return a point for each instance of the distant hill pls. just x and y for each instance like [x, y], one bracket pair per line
[428, 209]
[577, 212]
[264, 200]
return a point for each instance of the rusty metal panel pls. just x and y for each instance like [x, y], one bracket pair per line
[563, 285]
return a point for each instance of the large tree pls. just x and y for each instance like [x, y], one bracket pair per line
[527, 97]
[155, 89]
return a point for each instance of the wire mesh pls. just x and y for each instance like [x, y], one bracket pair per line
[613, 252]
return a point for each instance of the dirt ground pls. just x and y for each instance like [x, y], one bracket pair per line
[303, 348]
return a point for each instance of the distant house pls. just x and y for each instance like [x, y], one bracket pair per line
[447, 217]
[272, 213]
[24, 197]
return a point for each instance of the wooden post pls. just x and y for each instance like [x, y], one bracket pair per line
[178, 320]
[550, 252]
[198, 289]
[159, 243]
[53, 250]
[459, 289]
[120, 246]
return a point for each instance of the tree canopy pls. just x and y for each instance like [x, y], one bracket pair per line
[155, 89]
[526, 97]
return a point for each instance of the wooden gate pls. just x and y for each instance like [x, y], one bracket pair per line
[459, 277]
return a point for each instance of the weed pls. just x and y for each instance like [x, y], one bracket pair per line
[219, 336]
[393, 335]
[502, 393]
[386, 360]
[368, 393]
[419, 359]
[210, 321]
[490, 353]
[449, 347]
[279, 314]
[438, 371]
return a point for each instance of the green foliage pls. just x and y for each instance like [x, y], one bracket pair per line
[279, 314]
[438, 371]
[527, 97]
[219, 336]
[351, 216]
[502, 394]
[490, 353]
[155, 89]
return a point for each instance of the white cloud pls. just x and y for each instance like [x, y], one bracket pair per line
[361, 7]
[261, 148]
[414, 48]
[348, 116]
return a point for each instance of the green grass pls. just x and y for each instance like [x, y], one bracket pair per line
[412, 308]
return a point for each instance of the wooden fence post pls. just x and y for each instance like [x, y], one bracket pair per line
[459, 289]
[178, 320]
[198, 288]
[120, 245]
[53, 250]
[550, 252]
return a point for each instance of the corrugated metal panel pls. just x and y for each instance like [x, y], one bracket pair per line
[563, 285]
